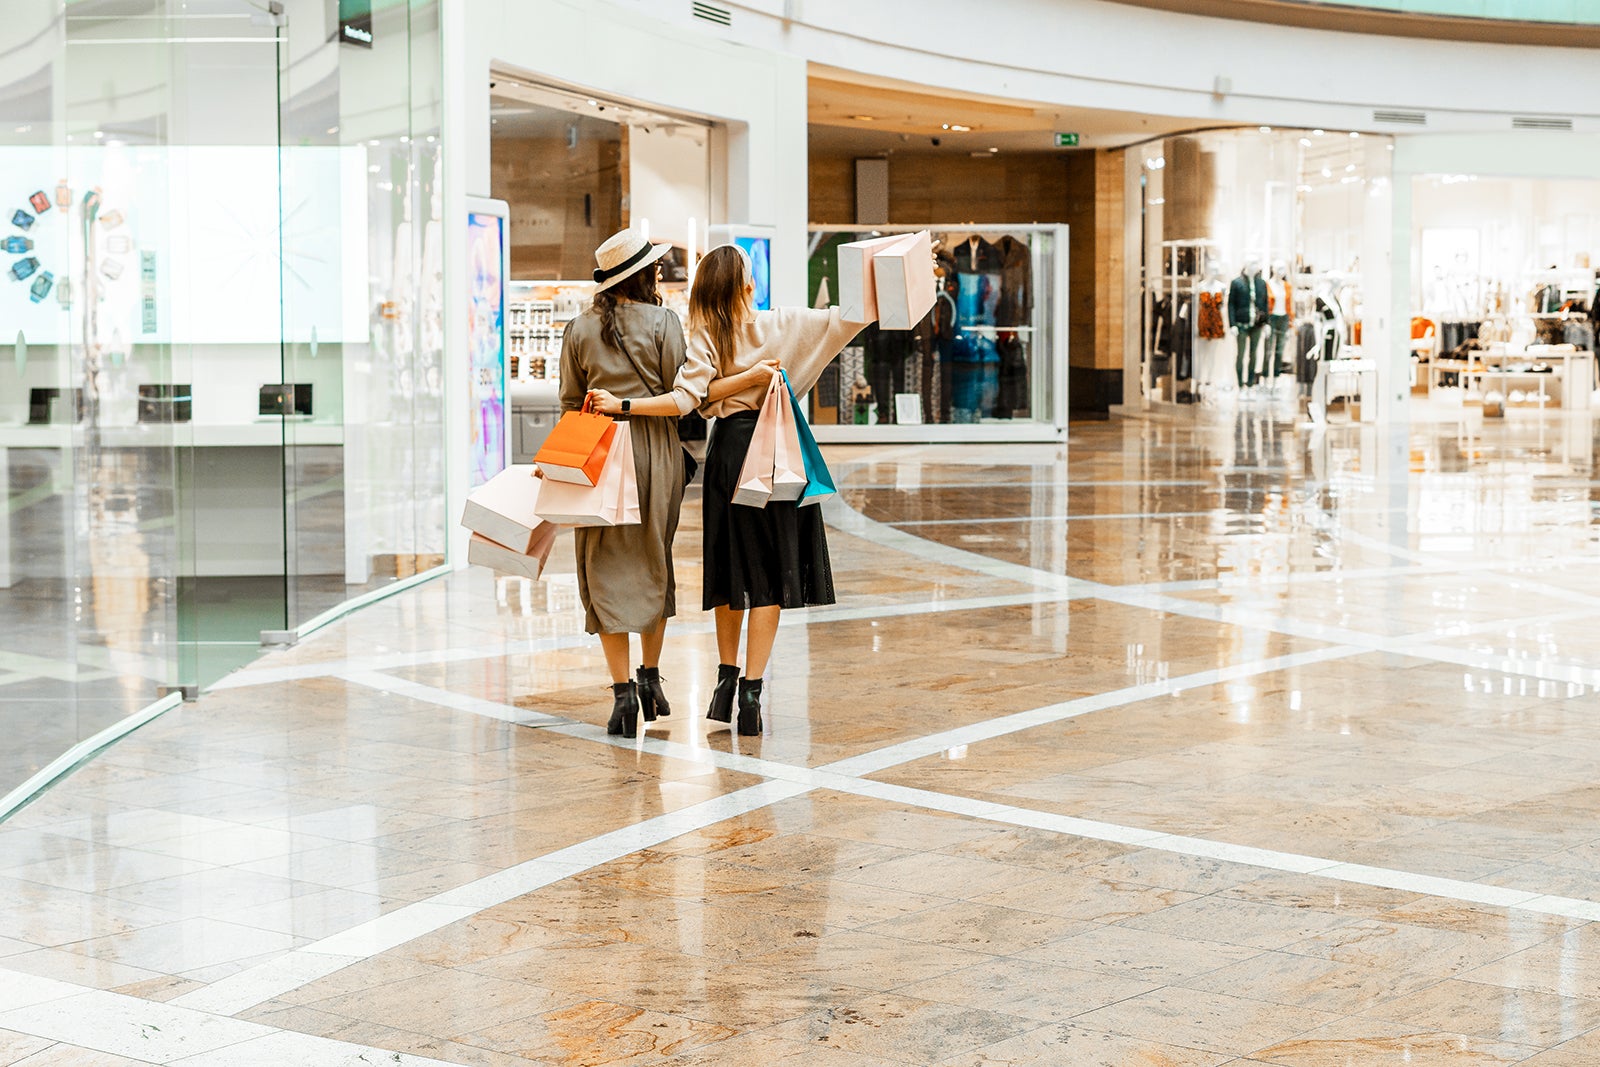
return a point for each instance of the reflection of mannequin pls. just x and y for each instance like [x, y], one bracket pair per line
[975, 376]
[1280, 315]
[1247, 314]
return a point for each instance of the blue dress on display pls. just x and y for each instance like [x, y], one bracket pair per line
[975, 382]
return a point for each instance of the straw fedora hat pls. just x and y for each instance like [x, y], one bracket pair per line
[624, 254]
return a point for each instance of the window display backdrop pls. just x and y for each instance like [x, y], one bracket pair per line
[1300, 206]
[988, 362]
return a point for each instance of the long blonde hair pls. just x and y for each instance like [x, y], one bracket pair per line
[719, 303]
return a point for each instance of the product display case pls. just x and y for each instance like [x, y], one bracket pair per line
[988, 362]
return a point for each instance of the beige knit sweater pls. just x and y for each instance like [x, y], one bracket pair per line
[803, 340]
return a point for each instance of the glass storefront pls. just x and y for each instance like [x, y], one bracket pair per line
[1253, 244]
[991, 352]
[223, 312]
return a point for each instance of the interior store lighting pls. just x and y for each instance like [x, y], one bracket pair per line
[1316, 133]
[863, 118]
[1354, 135]
[958, 128]
[1156, 163]
[1305, 142]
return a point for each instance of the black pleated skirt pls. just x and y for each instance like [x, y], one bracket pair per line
[758, 557]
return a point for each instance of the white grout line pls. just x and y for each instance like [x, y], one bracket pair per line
[388, 683]
[250, 987]
[149, 1031]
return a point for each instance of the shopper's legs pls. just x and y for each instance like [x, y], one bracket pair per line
[650, 646]
[729, 623]
[615, 646]
[758, 644]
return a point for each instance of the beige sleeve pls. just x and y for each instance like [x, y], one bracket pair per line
[694, 367]
[812, 337]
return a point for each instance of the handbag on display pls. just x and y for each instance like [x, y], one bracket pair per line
[903, 280]
[612, 501]
[576, 450]
[505, 509]
[755, 475]
[788, 462]
[819, 480]
[858, 290]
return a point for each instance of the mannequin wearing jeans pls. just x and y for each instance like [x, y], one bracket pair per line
[1280, 315]
[1247, 314]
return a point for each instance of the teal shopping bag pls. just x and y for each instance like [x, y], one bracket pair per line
[819, 482]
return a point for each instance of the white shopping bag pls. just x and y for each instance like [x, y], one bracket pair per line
[903, 277]
[858, 292]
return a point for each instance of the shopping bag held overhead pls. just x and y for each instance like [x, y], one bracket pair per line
[858, 293]
[576, 449]
[903, 277]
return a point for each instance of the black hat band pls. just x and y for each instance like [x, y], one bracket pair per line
[602, 276]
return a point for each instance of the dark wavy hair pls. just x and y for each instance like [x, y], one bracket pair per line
[640, 287]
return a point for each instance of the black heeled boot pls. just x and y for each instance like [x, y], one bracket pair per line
[721, 709]
[749, 706]
[652, 701]
[625, 710]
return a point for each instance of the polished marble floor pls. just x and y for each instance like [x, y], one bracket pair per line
[1202, 741]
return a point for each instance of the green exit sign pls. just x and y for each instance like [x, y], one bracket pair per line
[1066, 140]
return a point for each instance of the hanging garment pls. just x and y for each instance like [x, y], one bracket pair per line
[1183, 337]
[1014, 261]
[1211, 326]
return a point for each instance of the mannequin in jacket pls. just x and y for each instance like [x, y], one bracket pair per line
[1247, 314]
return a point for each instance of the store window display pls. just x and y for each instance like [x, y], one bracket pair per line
[1503, 275]
[1218, 208]
[986, 353]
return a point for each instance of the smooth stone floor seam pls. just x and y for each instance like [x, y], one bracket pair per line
[152, 1032]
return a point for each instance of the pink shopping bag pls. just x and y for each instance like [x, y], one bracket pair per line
[505, 509]
[788, 462]
[612, 501]
[755, 476]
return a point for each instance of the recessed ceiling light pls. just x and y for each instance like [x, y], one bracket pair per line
[958, 128]
[1353, 133]
[1266, 129]
[994, 149]
[594, 103]
[863, 118]
[946, 126]
[1305, 142]
[1316, 133]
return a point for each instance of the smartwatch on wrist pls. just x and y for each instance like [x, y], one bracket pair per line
[626, 404]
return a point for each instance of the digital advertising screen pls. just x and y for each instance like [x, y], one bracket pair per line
[759, 249]
[486, 343]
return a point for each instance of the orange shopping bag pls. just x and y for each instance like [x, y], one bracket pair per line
[576, 449]
[612, 501]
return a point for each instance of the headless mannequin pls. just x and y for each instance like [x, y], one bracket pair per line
[1247, 314]
[1281, 319]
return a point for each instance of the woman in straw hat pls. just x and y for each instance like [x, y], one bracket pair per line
[626, 354]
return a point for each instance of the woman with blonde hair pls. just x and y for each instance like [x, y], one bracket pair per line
[627, 357]
[757, 560]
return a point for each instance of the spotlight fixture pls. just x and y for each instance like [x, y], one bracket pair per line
[956, 127]
[863, 118]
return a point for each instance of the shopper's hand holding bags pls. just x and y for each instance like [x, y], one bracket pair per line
[612, 501]
[577, 447]
[788, 463]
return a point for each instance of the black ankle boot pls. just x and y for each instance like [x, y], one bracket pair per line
[721, 709]
[652, 701]
[749, 706]
[625, 710]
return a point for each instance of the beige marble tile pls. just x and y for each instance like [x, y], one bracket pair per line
[598, 1032]
[980, 927]
[1373, 1041]
[1309, 982]
[15, 1047]
[915, 1031]
[868, 960]
[1045, 992]
[1144, 955]
[1212, 1021]
[1053, 1046]
[1519, 1016]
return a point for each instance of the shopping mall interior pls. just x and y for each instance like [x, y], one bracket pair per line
[1216, 565]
